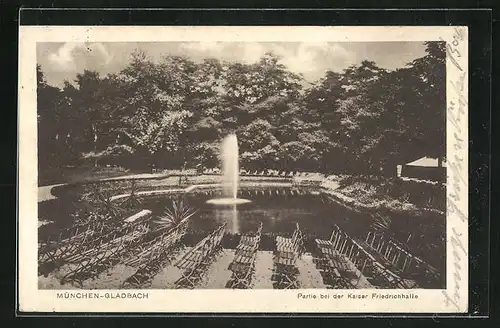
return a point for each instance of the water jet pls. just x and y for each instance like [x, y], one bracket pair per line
[230, 173]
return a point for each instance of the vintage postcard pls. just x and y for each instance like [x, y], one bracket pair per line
[243, 169]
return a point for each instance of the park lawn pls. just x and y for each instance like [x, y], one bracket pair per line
[380, 193]
[70, 174]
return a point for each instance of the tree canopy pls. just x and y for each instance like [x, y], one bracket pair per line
[364, 119]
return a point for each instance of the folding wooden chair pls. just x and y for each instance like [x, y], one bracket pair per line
[193, 266]
[195, 262]
[159, 256]
[190, 277]
[243, 263]
[286, 244]
[89, 266]
[242, 270]
[285, 258]
[285, 274]
[249, 242]
[330, 262]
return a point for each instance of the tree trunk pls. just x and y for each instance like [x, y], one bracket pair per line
[440, 161]
[94, 132]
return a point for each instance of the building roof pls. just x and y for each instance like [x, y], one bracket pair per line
[426, 162]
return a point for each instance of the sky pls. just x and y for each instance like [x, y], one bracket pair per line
[62, 61]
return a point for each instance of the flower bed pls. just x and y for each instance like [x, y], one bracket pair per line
[392, 194]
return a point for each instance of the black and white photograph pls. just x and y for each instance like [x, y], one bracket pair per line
[243, 165]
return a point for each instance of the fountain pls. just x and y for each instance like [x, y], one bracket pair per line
[230, 173]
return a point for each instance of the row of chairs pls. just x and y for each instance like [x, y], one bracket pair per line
[108, 237]
[145, 252]
[243, 264]
[68, 240]
[128, 235]
[333, 265]
[94, 239]
[286, 254]
[399, 256]
[152, 257]
[195, 262]
[269, 172]
[101, 254]
[96, 225]
[272, 173]
[370, 264]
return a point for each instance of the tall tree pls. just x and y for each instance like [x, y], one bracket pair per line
[51, 122]
[176, 110]
[431, 73]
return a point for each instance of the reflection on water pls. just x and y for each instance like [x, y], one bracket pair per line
[277, 209]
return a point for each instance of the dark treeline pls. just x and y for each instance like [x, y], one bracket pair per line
[362, 120]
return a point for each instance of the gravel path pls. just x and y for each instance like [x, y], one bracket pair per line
[45, 192]
[167, 277]
[263, 270]
[309, 276]
[218, 274]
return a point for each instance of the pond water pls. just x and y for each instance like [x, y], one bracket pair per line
[279, 209]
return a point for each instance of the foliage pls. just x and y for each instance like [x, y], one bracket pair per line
[173, 216]
[132, 200]
[362, 120]
[103, 204]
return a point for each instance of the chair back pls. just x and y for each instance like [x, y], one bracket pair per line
[298, 241]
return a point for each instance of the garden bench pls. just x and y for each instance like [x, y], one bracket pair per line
[91, 247]
[335, 276]
[324, 243]
[54, 251]
[368, 263]
[243, 258]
